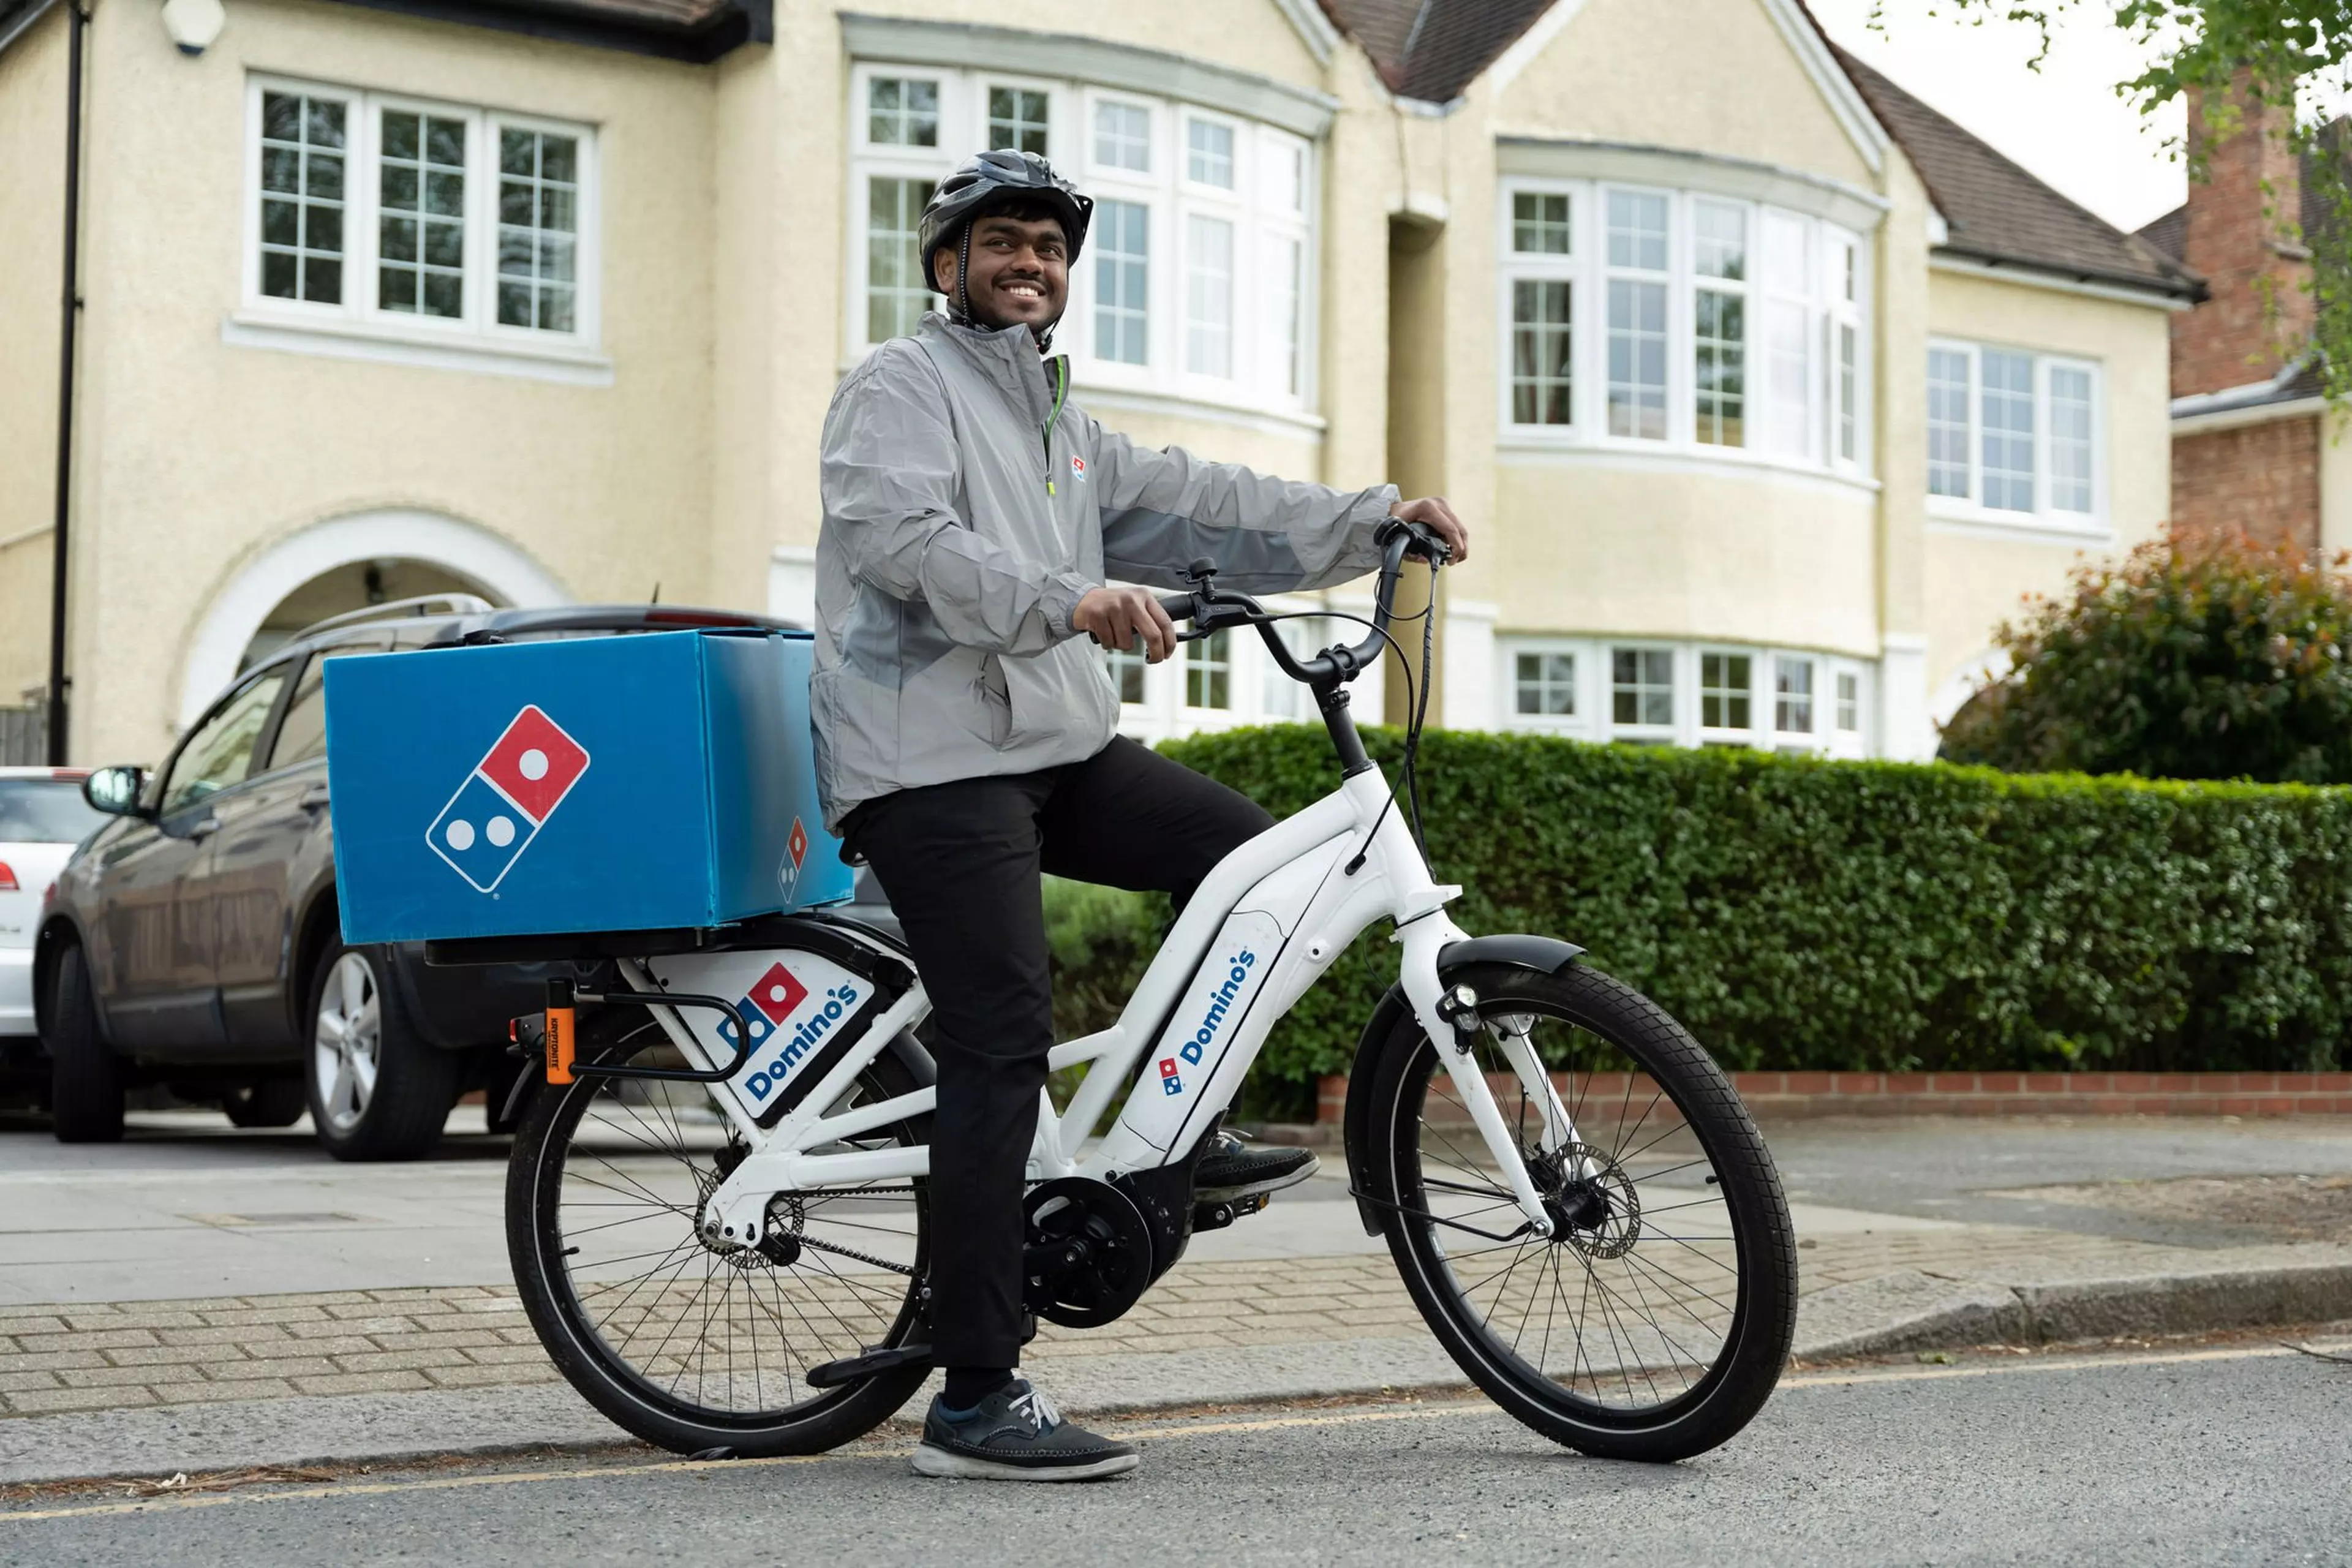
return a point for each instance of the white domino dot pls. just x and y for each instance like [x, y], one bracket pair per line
[499, 831]
[775, 993]
[533, 763]
[460, 835]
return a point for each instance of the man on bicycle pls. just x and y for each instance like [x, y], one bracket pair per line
[967, 739]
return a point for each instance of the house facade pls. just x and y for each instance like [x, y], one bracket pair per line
[1768, 390]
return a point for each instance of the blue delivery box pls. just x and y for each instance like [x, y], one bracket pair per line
[631, 782]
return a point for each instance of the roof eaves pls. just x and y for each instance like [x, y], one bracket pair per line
[724, 28]
[2178, 284]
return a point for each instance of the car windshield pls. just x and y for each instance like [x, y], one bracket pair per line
[45, 811]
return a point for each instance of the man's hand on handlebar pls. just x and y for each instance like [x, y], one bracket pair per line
[1432, 513]
[1116, 617]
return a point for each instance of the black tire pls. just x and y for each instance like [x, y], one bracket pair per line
[265, 1102]
[86, 1078]
[1723, 1269]
[673, 1143]
[377, 1089]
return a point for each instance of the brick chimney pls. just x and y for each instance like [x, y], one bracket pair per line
[2233, 237]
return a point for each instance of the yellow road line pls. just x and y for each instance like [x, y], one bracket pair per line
[1143, 1434]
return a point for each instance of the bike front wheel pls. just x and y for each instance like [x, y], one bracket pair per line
[689, 1345]
[1654, 1321]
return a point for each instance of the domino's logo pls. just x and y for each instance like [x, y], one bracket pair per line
[1169, 1082]
[506, 799]
[769, 1002]
[767, 1007]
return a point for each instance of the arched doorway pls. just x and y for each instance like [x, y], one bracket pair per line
[345, 564]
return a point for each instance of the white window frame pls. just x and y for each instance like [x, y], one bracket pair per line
[1260, 381]
[1595, 719]
[2045, 517]
[1588, 272]
[358, 311]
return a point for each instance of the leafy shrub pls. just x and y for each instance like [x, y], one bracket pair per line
[1798, 913]
[2206, 661]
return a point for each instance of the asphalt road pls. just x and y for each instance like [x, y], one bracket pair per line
[2236, 1455]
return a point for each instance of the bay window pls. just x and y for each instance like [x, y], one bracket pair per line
[1685, 694]
[1197, 276]
[403, 217]
[1708, 324]
[2012, 435]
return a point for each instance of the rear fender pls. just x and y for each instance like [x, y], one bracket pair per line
[1541, 954]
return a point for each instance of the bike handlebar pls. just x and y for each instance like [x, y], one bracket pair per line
[1397, 539]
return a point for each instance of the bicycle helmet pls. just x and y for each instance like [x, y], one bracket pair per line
[987, 181]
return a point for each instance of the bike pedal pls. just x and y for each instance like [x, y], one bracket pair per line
[1219, 1213]
[849, 1369]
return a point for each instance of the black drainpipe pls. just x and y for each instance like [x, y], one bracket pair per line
[75, 20]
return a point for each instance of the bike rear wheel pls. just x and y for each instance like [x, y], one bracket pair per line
[686, 1345]
[1653, 1323]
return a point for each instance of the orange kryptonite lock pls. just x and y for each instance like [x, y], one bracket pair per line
[559, 1031]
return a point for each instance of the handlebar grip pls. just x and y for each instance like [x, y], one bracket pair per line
[1180, 606]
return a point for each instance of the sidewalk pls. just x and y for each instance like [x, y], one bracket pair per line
[139, 1387]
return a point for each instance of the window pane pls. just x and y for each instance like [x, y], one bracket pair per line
[421, 226]
[1288, 282]
[1541, 333]
[1122, 232]
[220, 754]
[902, 112]
[1539, 224]
[1209, 152]
[2069, 438]
[895, 295]
[537, 218]
[1208, 671]
[1546, 684]
[1947, 422]
[302, 212]
[1720, 335]
[1285, 176]
[1209, 296]
[1637, 359]
[1126, 669]
[1641, 686]
[1789, 367]
[1725, 684]
[1720, 241]
[1123, 136]
[1792, 695]
[2007, 404]
[1016, 119]
[1846, 388]
[1637, 230]
[1848, 700]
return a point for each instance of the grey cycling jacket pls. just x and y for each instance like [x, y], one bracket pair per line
[968, 506]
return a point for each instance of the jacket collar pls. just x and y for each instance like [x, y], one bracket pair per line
[1008, 356]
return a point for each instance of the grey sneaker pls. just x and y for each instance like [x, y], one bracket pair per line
[1234, 1166]
[1016, 1435]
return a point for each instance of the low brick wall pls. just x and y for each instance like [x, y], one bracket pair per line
[1788, 1094]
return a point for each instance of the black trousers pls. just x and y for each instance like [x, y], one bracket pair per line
[960, 864]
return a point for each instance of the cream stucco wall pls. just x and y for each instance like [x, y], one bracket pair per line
[1978, 572]
[2334, 484]
[32, 208]
[204, 455]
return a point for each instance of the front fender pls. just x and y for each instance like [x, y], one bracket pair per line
[1543, 954]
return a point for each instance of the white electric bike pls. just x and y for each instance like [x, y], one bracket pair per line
[717, 1211]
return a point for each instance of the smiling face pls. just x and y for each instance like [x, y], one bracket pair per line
[1020, 271]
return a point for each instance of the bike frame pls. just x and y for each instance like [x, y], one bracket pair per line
[1260, 931]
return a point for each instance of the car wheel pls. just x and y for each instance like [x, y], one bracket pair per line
[377, 1089]
[85, 1075]
[271, 1102]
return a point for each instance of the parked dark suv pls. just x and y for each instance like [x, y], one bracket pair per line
[193, 940]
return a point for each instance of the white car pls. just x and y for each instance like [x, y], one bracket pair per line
[42, 817]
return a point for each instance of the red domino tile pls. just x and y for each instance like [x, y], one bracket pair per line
[777, 993]
[535, 763]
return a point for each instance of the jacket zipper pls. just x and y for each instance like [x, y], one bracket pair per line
[1061, 392]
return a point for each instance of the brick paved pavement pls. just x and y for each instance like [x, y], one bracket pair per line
[88, 1356]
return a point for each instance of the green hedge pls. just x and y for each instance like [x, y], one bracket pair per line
[1805, 914]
